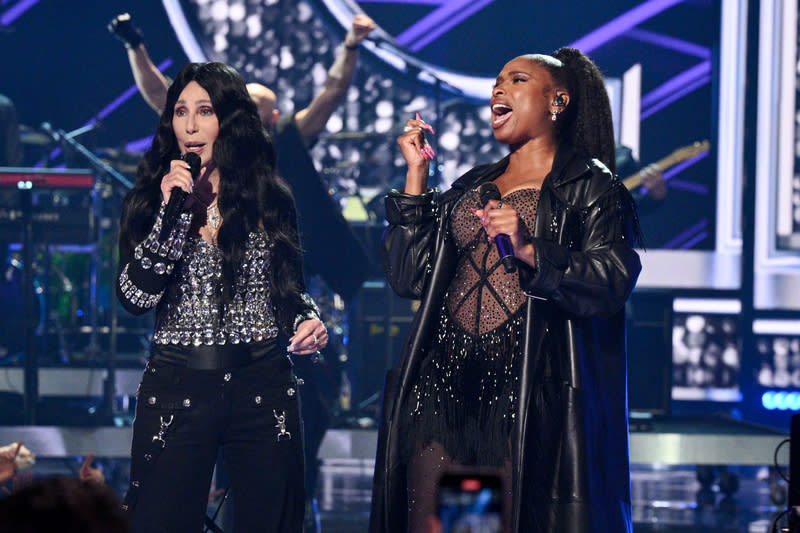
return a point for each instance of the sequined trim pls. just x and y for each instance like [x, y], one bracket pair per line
[135, 295]
[482, 295]
[313, 312]
[172, 247]
[465, 395]
[193, 315]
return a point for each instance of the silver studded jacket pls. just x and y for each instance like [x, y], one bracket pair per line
[181, 275]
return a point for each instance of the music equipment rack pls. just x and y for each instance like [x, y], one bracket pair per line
[42, 206]
[60, 204]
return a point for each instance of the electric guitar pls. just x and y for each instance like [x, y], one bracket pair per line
[678, 156]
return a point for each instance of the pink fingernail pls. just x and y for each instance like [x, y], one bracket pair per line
[419, 117]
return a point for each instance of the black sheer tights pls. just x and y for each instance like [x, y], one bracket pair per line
[425, 467]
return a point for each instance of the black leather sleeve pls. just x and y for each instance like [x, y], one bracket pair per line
[592, 271]
[408, 242]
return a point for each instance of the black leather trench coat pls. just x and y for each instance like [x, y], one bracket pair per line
[570, 441]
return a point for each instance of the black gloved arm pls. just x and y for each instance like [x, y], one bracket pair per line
[151, 82]
[122, 27]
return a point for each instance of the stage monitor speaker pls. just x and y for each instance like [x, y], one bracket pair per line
[12, 409]
[794, 462]
[380, 328]
[649, 353]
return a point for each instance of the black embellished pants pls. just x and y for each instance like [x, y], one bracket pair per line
[184, 415]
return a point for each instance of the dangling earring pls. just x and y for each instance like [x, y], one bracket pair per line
[555, 115]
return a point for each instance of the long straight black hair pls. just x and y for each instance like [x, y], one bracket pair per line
[251, 196]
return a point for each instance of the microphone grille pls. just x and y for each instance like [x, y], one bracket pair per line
[488, 191]
[193, 160]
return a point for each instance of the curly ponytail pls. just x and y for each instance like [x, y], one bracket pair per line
[586, 122]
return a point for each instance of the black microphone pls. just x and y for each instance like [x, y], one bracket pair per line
[178, 196]
[489, 191]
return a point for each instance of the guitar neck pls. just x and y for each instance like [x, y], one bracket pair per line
[634, 181]
[678, 156]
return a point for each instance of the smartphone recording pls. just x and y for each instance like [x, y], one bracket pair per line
[470, 502]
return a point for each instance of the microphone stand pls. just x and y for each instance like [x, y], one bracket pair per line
[31, 364]
[102, 169]
[422, 73]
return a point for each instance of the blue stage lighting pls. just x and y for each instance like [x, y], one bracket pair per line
[781, 400]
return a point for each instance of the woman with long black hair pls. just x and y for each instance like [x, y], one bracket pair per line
[225, 278]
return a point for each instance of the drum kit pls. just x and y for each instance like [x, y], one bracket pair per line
[61, 298]
[55, 256]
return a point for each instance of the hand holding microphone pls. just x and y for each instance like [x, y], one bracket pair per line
[489, 191]
[176, 187]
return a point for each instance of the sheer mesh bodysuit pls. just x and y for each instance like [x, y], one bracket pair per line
[462, 406]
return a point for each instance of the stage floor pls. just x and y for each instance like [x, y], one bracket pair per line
[669, 458]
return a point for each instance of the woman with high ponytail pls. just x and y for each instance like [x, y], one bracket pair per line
[209, 240]
[589, 126]
[516, 360]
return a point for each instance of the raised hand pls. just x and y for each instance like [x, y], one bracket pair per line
[123, 29]
[417, 152]
[359, 30]
[90, 474]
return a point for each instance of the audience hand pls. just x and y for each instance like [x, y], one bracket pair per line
[13, 458]
[90, 474]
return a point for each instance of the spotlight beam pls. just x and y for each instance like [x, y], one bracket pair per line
[621, 24]
[671, 43]
[16, 11]
[439, 22]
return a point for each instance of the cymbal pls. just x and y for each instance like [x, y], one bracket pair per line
[32, 137]
[120, 154]
[125, 168]
[356, 135]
